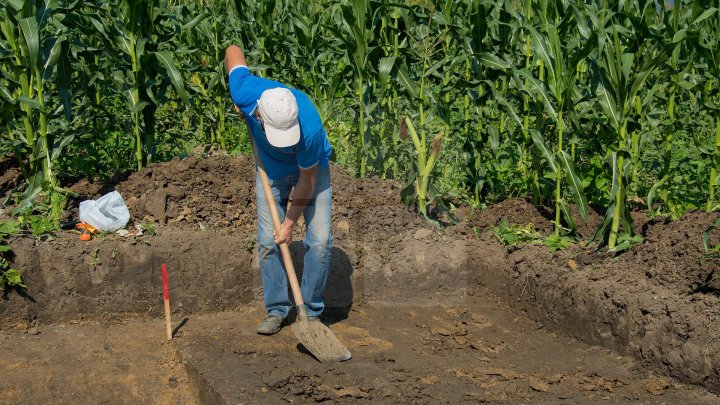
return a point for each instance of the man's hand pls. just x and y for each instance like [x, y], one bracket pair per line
[301, 198]
[240, 113]
[285, 233]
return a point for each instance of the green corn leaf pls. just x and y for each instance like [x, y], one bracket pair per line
[653, 191]
[627, 63]
[29, 28]
[51, 54]
[58, 147]
[626, 242]
[30, 102]
[404, 78]
[537, 89]
[542, 49]
[493, 138]
[138, 106]
[680, 35]
[546, 153]
[140, 48]
[508, 107]
[602, 230]
[16, 4]
[648, 68]
[99, 26]
[195, 21]
[384, 68]
[607, 101]
[568, 215]
[124, 43]
[5, 93]
[166, 59]
[574, 183]
[704, 16]
[48, 6]
[581, 20]
[408, 193]
[492, 61]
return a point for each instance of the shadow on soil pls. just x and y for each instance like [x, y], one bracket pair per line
[338, 289]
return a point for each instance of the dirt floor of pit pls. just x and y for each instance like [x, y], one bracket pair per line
[476, 352]
[91, 363]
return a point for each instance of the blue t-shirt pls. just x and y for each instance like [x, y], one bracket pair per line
[313, 147]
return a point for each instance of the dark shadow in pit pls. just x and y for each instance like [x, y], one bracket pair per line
[19, 291]
[338, 289]
[7, 288]
[302, 349]
[180, 325]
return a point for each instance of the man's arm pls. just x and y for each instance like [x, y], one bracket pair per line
[234, 56]
[301, 198]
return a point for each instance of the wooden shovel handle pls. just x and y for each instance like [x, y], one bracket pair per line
[284, 249]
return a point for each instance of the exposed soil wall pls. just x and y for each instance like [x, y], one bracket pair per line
[652, 302]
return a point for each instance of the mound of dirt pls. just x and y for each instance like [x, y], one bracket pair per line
[656, 302]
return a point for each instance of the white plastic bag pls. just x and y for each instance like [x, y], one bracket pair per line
[108, 213]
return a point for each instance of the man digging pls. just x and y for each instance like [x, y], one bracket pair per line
[292, 145]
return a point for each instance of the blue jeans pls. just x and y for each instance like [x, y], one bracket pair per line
[318, 244]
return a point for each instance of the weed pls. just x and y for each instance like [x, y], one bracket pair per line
[711, 252]
[149, 228]
[95, 256]
[513, 234]
[626, 242]
[9, 277]
[558, 242]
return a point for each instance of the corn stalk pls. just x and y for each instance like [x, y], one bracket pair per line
[620, 74]
[37, 80]
[425, 161]
[148, 69]
[561, 59]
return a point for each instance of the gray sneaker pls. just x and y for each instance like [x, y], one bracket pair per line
[270, 325]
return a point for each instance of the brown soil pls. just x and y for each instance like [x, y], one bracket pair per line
[9, 176]
[653, 304]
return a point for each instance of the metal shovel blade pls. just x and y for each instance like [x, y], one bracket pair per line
[320, 341]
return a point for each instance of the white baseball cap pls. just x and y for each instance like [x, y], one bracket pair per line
[279, 112]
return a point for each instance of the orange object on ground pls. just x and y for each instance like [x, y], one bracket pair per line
[87, 231]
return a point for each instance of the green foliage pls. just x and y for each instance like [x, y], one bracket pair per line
[626, 242]
[558, 242]
[148, 227]
[711, 251]
[514, 234]
[424, 159]
[612, 105]
[9, 277]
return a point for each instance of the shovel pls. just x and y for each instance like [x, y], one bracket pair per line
[314, 335]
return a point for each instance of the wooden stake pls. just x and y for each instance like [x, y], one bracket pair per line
[168, 323]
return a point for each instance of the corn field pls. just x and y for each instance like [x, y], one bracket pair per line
[613, 105]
